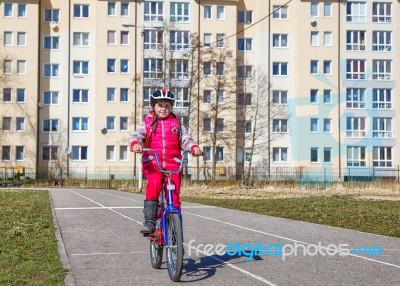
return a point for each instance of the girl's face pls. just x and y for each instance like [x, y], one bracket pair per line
[162, 108]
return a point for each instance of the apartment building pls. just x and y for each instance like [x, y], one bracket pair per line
[313, 81]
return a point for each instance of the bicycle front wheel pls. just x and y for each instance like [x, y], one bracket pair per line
[174, 247]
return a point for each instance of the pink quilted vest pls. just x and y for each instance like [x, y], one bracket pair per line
[163, 137]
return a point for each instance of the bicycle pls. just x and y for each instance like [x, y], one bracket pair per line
[169, 231]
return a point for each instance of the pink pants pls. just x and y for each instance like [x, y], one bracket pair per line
[153, 188]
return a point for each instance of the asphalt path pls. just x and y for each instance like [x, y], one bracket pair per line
[100, 243]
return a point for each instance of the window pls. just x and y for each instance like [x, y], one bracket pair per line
[244, 126]
[80, 68]
[280, 12]
[21, 39]
[220, 154]
[382, 157]
[207, 12]
[314, 9]
[207, 124]
[111, 38]
[49, 153]
[180, 69]
[220, 12]
[179, 12]
[21, 95]
[179, 40]
[279, 68]
[153, 68]
[220, 96]
[382, 12]
[124, 66]
[22, 11]
[124, 9]
[111, 123]
[245, 44]
[81, 11]
[80, 124]
[147, 91]
[207, 153]
[314, 69]
[356, 12]
[327, 9]
[7, 95]
[327, 39]
[220, 125]
[245, 72]
[314, 122]
[50, 125]
[327, 155]
[153, 11]
[327, 125]
[382, 127]
[7, 66]
[8, 10]
[111, 65]
[220, 69]
[123, 153]
[52, 15]
[381, 98]
[51, 43]
[314, 97]
[280, 125]
[279, 96]
[110, 153]
[314, 38]
[79, 153]
[123, 95]
[220, 40]
[245, 17]
[81, 39]
[327, 96]
[6, 153]
[279, 40]
[207, 68]
[207, 96]
[8, 38]
[111, 94]
[244, 99]
[355, 98]
[21, 67]
[153, 40]
[80, 95]
[124, 37]
[381, 69]
[327, 67]
[247, 155]
[356, 156]
[111, 9]
[355, 40]
[51, 70]
[355, 69]
[19, 153]
[382, 41]
[181, 96]
[314, 155]
[355, 127]
[123, 123]
[279, 155]
[50, 97]
[207, 40]
[6, 124]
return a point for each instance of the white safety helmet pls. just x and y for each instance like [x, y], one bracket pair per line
[162, 94]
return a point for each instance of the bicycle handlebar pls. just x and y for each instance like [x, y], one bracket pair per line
[159, 165]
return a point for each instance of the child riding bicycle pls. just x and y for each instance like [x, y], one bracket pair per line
[162, 131]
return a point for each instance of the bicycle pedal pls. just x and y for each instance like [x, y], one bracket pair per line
[146, 234]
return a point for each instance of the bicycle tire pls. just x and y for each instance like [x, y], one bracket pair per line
[174, 248]
[156, 253]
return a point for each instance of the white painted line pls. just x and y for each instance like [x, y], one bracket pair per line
[290, 239]
[107, 253]
[259, 278]
[97, 208]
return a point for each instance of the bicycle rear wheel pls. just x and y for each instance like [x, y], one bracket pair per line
[156, 253]
[174, 247]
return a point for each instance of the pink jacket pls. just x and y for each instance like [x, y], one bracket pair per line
[164, 137]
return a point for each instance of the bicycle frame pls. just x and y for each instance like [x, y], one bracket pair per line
[170, 201]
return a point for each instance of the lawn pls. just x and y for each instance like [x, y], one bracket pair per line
[28, 247]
